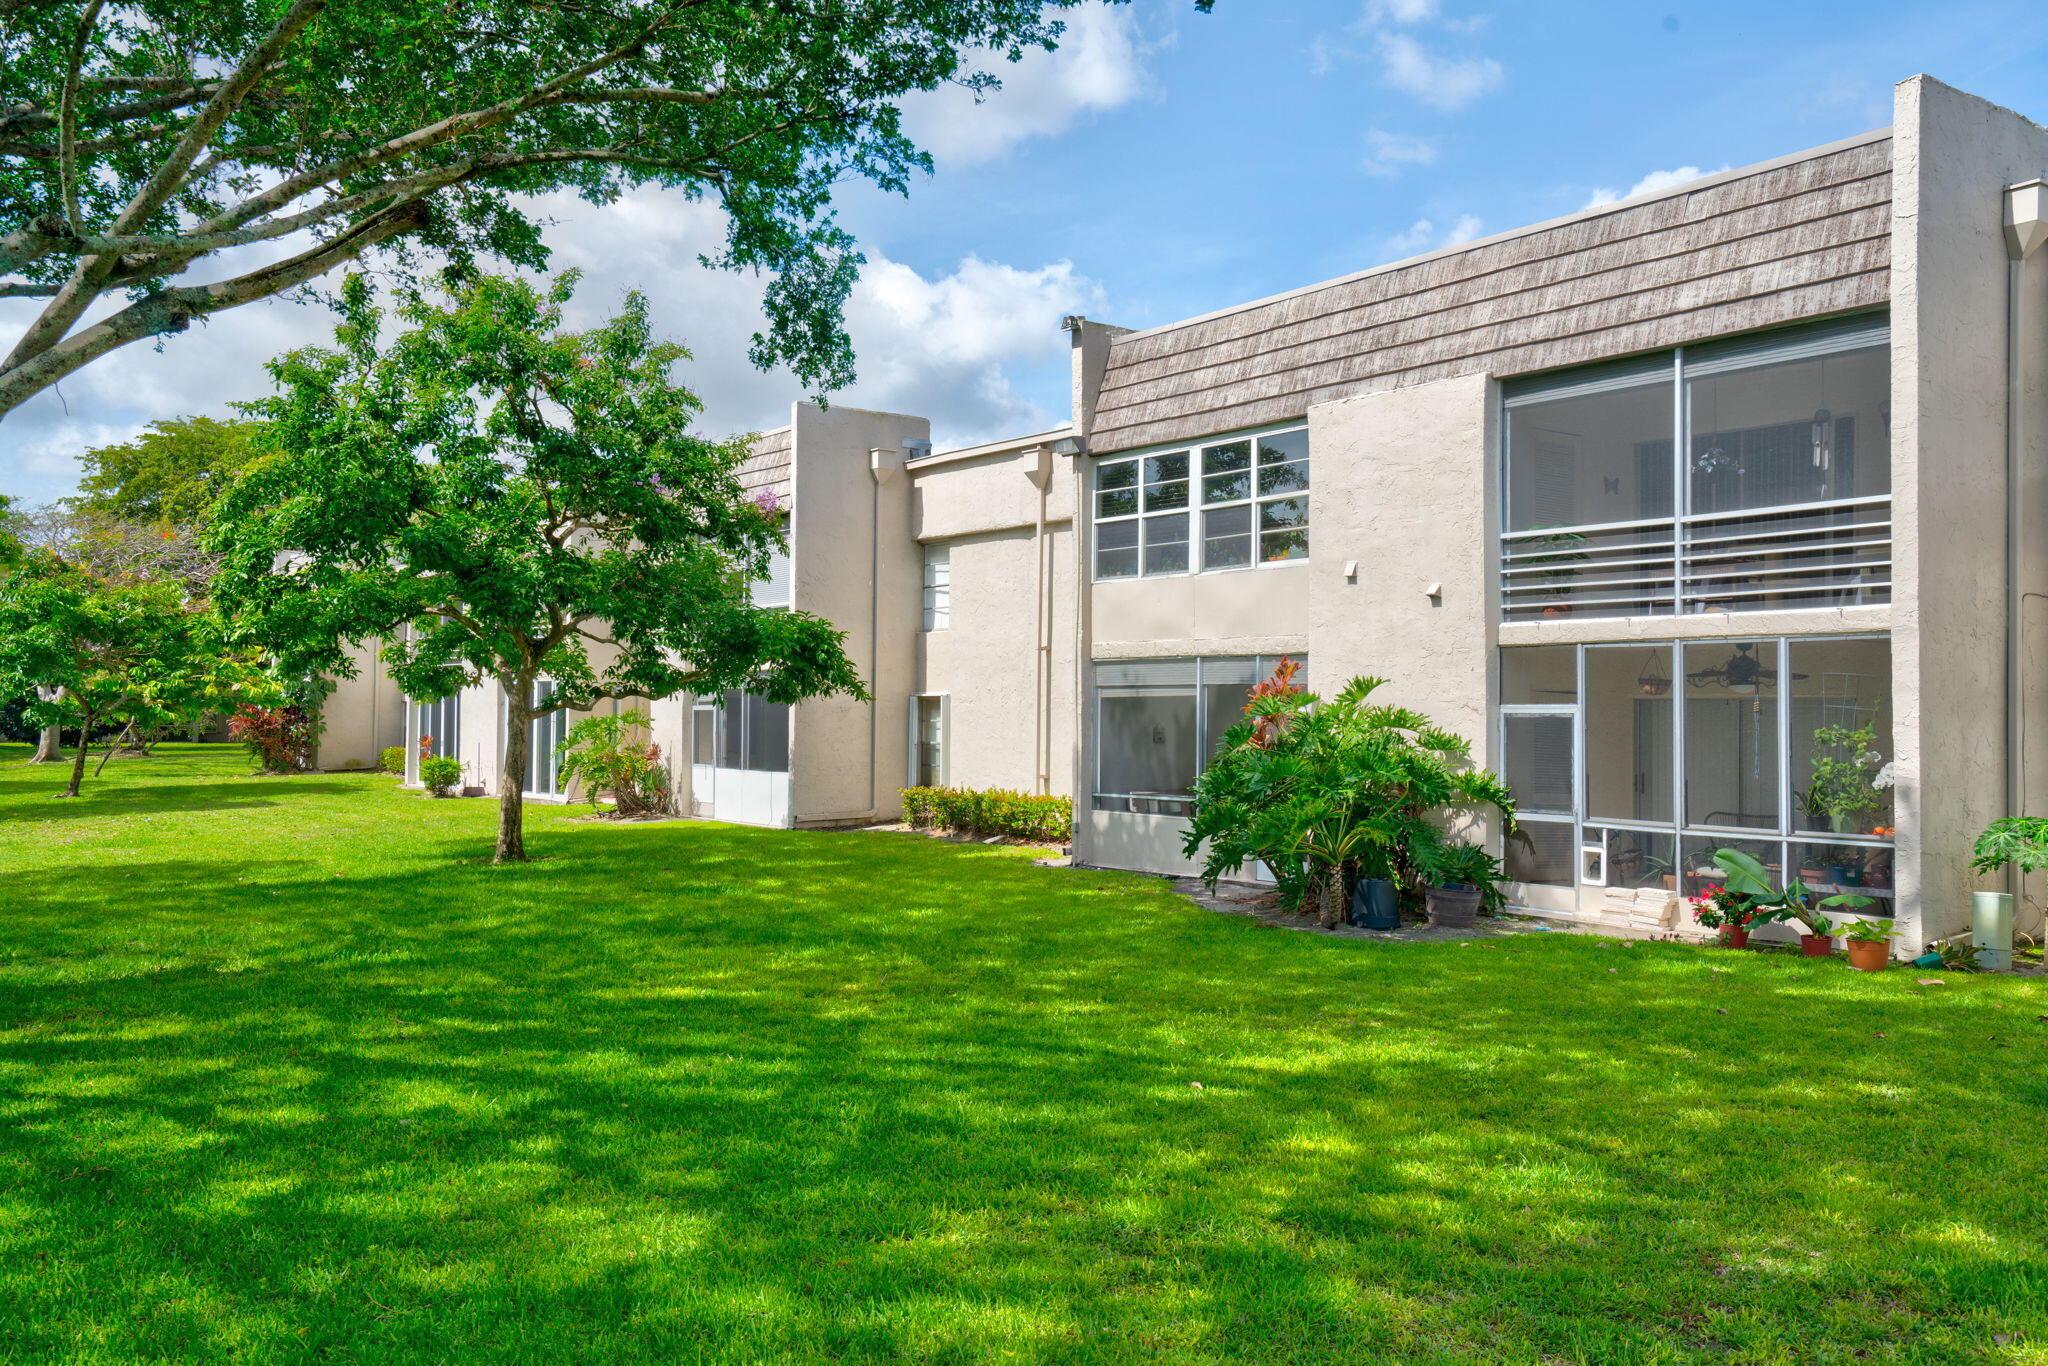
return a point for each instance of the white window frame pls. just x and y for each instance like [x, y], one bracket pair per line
[912, 755]
[937, 584]
[1194, 509]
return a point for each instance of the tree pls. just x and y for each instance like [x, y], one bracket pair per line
[139, 140]
[510, 501]
[170, 473]
[111, 651]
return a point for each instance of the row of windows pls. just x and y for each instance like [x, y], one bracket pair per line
[1223, 506]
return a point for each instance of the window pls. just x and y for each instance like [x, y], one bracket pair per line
[775, 590]
[753, 733]
[1250, 494]
[704, 733]
[1649, 758]
[938, 587]
[440, 726]
[928, 742]
[1734, 476]
[543, 769]
[1157, 721]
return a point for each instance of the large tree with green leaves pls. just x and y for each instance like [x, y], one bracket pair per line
[99, 651]
[169, 473]
[143, 138]
[508, 501]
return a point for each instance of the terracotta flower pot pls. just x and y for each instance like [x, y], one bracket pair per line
[1816, 946]
[1732, 938]
[1871, 955]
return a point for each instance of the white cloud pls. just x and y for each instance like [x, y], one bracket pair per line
[1400, 11]
[1436, 79]
[1650, 184]
[1423, 236]
[1386, 153]
[1100, 64]
[962, 346]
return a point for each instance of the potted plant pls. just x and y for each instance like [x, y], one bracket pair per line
[1751, 881]
[1462, 878]
[1869, 943]
[1726, 911]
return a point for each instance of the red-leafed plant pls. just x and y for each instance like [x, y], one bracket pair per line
[1266, 726]
[279, 739]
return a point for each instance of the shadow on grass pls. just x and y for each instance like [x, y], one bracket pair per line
[724, 1094]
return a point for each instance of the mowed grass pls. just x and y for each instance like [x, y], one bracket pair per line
[289, 1074]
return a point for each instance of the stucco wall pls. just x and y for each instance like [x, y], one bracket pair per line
[362, 715]
[1244, 611]
[1954, 155]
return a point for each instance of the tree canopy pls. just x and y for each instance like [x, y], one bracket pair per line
[170, 473]
[502, 499]
[138, 141]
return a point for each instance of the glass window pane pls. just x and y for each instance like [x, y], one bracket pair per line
[703, 736]
[1166, 544]
[1166, 497]
[1278, 546]
[1796, 432]
[1639, 858]
[732, 731]
[1592, 458]
[1539, 674]
[1538, 767]
[1147, 744]
[1232, 455]
[1160, 468]
[1116, 503]
[1731, 734]
[1123, 474]
[1842, 736]
[1222, 488]
[1283, 478]
[1116, 550]
[1227, 537]
[1283, 512]
[1629, 698]
[1283, 446]
[767, 736]
[1542, 855]
[1848, 870]
[1116, 564]
[1223, 707]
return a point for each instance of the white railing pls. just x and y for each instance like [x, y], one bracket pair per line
[1807, 555]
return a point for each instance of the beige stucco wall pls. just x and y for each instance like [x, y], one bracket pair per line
[1261, 610]
[1954, 155]
[362, 715]
[855, 563]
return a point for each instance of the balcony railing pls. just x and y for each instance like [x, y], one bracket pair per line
[1807, 555]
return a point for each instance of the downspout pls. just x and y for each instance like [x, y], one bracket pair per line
[878, 465]
[1041, 631]
[2026, 228]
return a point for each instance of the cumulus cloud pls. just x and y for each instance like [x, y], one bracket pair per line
[1436, 78]
[1387, 153]
[1100, 65]
[967, 346]
[1651, 184]
[1400, 11]
[1423, 235]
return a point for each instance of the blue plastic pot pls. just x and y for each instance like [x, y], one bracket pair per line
[1374, 905]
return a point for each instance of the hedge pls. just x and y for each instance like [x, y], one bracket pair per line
[990, 811]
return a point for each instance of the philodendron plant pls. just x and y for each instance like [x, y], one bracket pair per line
[1749, 879]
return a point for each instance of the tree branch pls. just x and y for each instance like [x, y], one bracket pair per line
[67, 116]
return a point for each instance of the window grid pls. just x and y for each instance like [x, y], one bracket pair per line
[938, 587]
[1222, 505]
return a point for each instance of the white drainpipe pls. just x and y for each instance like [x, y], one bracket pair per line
[2026, 229]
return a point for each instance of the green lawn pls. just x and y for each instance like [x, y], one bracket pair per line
[288, 1073]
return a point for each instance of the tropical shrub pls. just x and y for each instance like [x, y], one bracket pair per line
[440, 773]
[1458, 864]
[2017, 840]
[1324, 792]
[392, 759]
[600, 751]
[981, 813]
[279, 739]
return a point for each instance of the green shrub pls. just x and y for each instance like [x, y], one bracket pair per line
[984, 812]
[440, 773]
[597, 750]
[392, 759]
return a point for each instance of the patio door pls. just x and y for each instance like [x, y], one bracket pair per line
[1539, 748]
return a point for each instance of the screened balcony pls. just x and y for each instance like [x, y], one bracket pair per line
[1739, 476]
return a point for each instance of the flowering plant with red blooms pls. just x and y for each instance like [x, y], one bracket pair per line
[1723, 909]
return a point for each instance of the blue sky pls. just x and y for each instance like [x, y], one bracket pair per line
[1165, 164]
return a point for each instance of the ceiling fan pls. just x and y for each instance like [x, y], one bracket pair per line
[1742, 672]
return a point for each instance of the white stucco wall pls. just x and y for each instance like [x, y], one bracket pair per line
[362, 715]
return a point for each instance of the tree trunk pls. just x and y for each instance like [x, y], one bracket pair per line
[1333, 900]
[512, 774]
[78, 763]
[50, 745]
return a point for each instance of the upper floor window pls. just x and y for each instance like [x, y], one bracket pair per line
[1739, 475]
[938, 587]
[1225, 505]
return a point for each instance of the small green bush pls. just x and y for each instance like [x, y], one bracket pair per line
[440, 773]
[980, 813]
[392, 759]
